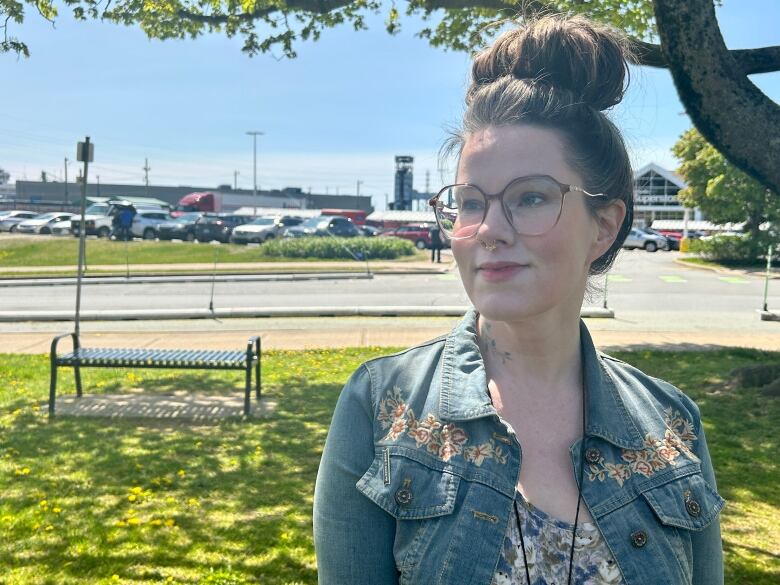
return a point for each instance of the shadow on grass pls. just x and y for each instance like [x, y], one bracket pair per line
[240, 492]
[253, 482]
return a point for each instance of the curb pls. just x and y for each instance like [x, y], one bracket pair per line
[281, 277]
[732, 271]
[154, 315]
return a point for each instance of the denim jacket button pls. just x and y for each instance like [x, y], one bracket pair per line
[693, 507]
[639, 538]
[403, 496]
[592, 455]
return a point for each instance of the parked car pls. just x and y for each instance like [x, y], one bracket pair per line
[179, 228]
[42, 224]
[639, 239]
[145, 223]
[62, 228]
[324, 225]
[257, 231]
[417, 233]
[369, 230]
[9, 222]
[672, 243]
[218, 226]
[99, 217]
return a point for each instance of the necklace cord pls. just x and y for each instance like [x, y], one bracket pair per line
[579, 501]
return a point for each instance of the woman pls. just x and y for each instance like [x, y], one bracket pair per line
[510, 451]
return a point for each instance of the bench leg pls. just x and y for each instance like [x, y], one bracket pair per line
[257, 378]
[77, 371]
[248, 389]
[52, 386]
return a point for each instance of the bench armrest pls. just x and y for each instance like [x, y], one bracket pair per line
[253, 341]
[56, 340]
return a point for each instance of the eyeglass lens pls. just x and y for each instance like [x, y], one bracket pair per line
[533, 206]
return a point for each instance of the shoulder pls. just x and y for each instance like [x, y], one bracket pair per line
[645, 395]
[412, 369]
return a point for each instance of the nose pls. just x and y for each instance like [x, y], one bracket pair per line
[496, 225]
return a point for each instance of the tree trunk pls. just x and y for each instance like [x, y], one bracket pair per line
[729, 111]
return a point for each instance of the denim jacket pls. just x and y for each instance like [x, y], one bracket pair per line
[418, 473]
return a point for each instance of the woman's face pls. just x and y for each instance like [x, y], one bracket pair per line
[551, 269]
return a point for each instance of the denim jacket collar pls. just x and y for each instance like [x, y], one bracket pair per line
[464, 393]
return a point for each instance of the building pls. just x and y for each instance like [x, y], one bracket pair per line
[61, 195]
[655, 196]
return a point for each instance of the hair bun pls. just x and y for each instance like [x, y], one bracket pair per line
[568, 53]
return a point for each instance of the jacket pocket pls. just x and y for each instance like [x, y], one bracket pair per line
[687, 502]
[407, 488]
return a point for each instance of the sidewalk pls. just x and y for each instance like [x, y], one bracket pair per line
[414, 266]
[294, 334]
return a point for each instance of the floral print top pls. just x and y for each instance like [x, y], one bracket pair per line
[547, 547]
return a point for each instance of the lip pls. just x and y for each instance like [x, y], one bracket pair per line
[500, 271]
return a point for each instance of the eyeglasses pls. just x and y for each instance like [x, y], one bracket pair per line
[532, 205]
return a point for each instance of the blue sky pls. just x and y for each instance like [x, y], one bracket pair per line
[337, 114]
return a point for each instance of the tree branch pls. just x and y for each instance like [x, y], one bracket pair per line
[312, 6]
[749, 61]
[713, 89]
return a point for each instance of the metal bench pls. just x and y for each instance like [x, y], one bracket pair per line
[82, 357]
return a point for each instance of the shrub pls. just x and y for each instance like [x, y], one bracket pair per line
[730, 249]
[373, 248]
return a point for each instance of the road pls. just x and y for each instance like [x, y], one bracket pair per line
[639, 282]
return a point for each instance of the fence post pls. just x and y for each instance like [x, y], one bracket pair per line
[766, 280]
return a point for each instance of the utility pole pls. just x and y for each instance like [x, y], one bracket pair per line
[254, 134]
[98, 184]
[428, 184]
[146, 175]
[235, 180]
[66, 179]
[357, 197]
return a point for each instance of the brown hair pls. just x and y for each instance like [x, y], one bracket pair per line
[559, 72]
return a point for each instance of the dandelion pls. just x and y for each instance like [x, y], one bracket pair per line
[193, 502]
[22, 471]
[181, 473]
[121, 523]
[49, 528]
[133, 521]
[56, 510]
[43, 504]
[170, 522]
[155, 522]
[132, 497]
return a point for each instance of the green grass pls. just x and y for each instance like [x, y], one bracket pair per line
[154, 502]
[728, 265]
[27, 252]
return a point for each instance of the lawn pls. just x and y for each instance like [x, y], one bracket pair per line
[31, 252]
[143, 502]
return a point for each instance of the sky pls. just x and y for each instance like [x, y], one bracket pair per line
[335, 115]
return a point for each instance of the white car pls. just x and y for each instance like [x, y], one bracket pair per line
[639, 239]
[146, 221]
[62, 228]
[257, 231]
[9, 222]
[42, 224]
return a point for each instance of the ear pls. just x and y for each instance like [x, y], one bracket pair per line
[607, 225]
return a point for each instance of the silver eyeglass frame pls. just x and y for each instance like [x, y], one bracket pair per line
[436, 203]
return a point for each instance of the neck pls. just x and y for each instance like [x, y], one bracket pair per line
[541, 355]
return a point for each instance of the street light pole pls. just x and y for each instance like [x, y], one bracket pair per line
[254, 134]
[357, 197]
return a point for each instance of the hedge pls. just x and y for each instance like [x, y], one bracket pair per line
[731, 249]
[361, 248]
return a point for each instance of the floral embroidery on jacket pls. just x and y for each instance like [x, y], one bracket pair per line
[443, 441]
[656, 454]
